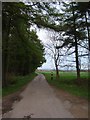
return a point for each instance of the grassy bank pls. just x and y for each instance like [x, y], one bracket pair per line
[67, 83]
[0, 92]
[20, 81]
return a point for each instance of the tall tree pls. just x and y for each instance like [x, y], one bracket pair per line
[22, 50]
[51, 48]
[84, 9]
[72, 31]
[76, 44]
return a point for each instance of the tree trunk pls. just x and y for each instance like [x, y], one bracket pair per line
[77, 62]
[76, 46]
[57, 72]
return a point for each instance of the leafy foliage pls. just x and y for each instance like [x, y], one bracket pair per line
[23, 52]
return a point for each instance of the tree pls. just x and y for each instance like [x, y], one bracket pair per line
[53, 52]
[84, 9]
[20, 45]
[72, 30]
[18, 39]
[76, 44]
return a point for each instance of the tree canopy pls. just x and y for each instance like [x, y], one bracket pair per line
[23, 52]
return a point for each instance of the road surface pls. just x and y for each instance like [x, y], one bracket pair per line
[39, 100]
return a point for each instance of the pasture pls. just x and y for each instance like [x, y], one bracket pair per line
[67, 82]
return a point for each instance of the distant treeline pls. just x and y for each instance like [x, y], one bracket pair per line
[62, 70]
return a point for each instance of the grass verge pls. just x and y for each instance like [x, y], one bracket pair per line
[0, 92]
[20, 82]
[67, 83]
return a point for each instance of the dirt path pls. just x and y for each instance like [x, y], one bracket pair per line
[40, 100]
[76, 105]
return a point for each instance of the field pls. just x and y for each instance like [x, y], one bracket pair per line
[67, 82]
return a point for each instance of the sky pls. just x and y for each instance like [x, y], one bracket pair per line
[43, 35]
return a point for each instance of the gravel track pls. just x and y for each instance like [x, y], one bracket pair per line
[39, 101]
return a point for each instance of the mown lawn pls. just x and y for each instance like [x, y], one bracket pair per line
[67, 81]
[20, 81]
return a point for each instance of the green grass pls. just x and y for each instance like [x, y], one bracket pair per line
[0, 92]
[67, 83]
[20, 82]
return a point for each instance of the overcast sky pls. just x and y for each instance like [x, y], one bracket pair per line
[44, 37]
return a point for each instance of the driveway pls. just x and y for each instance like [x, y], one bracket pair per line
[39, 101]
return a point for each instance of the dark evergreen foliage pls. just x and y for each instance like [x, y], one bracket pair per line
[23, 52]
